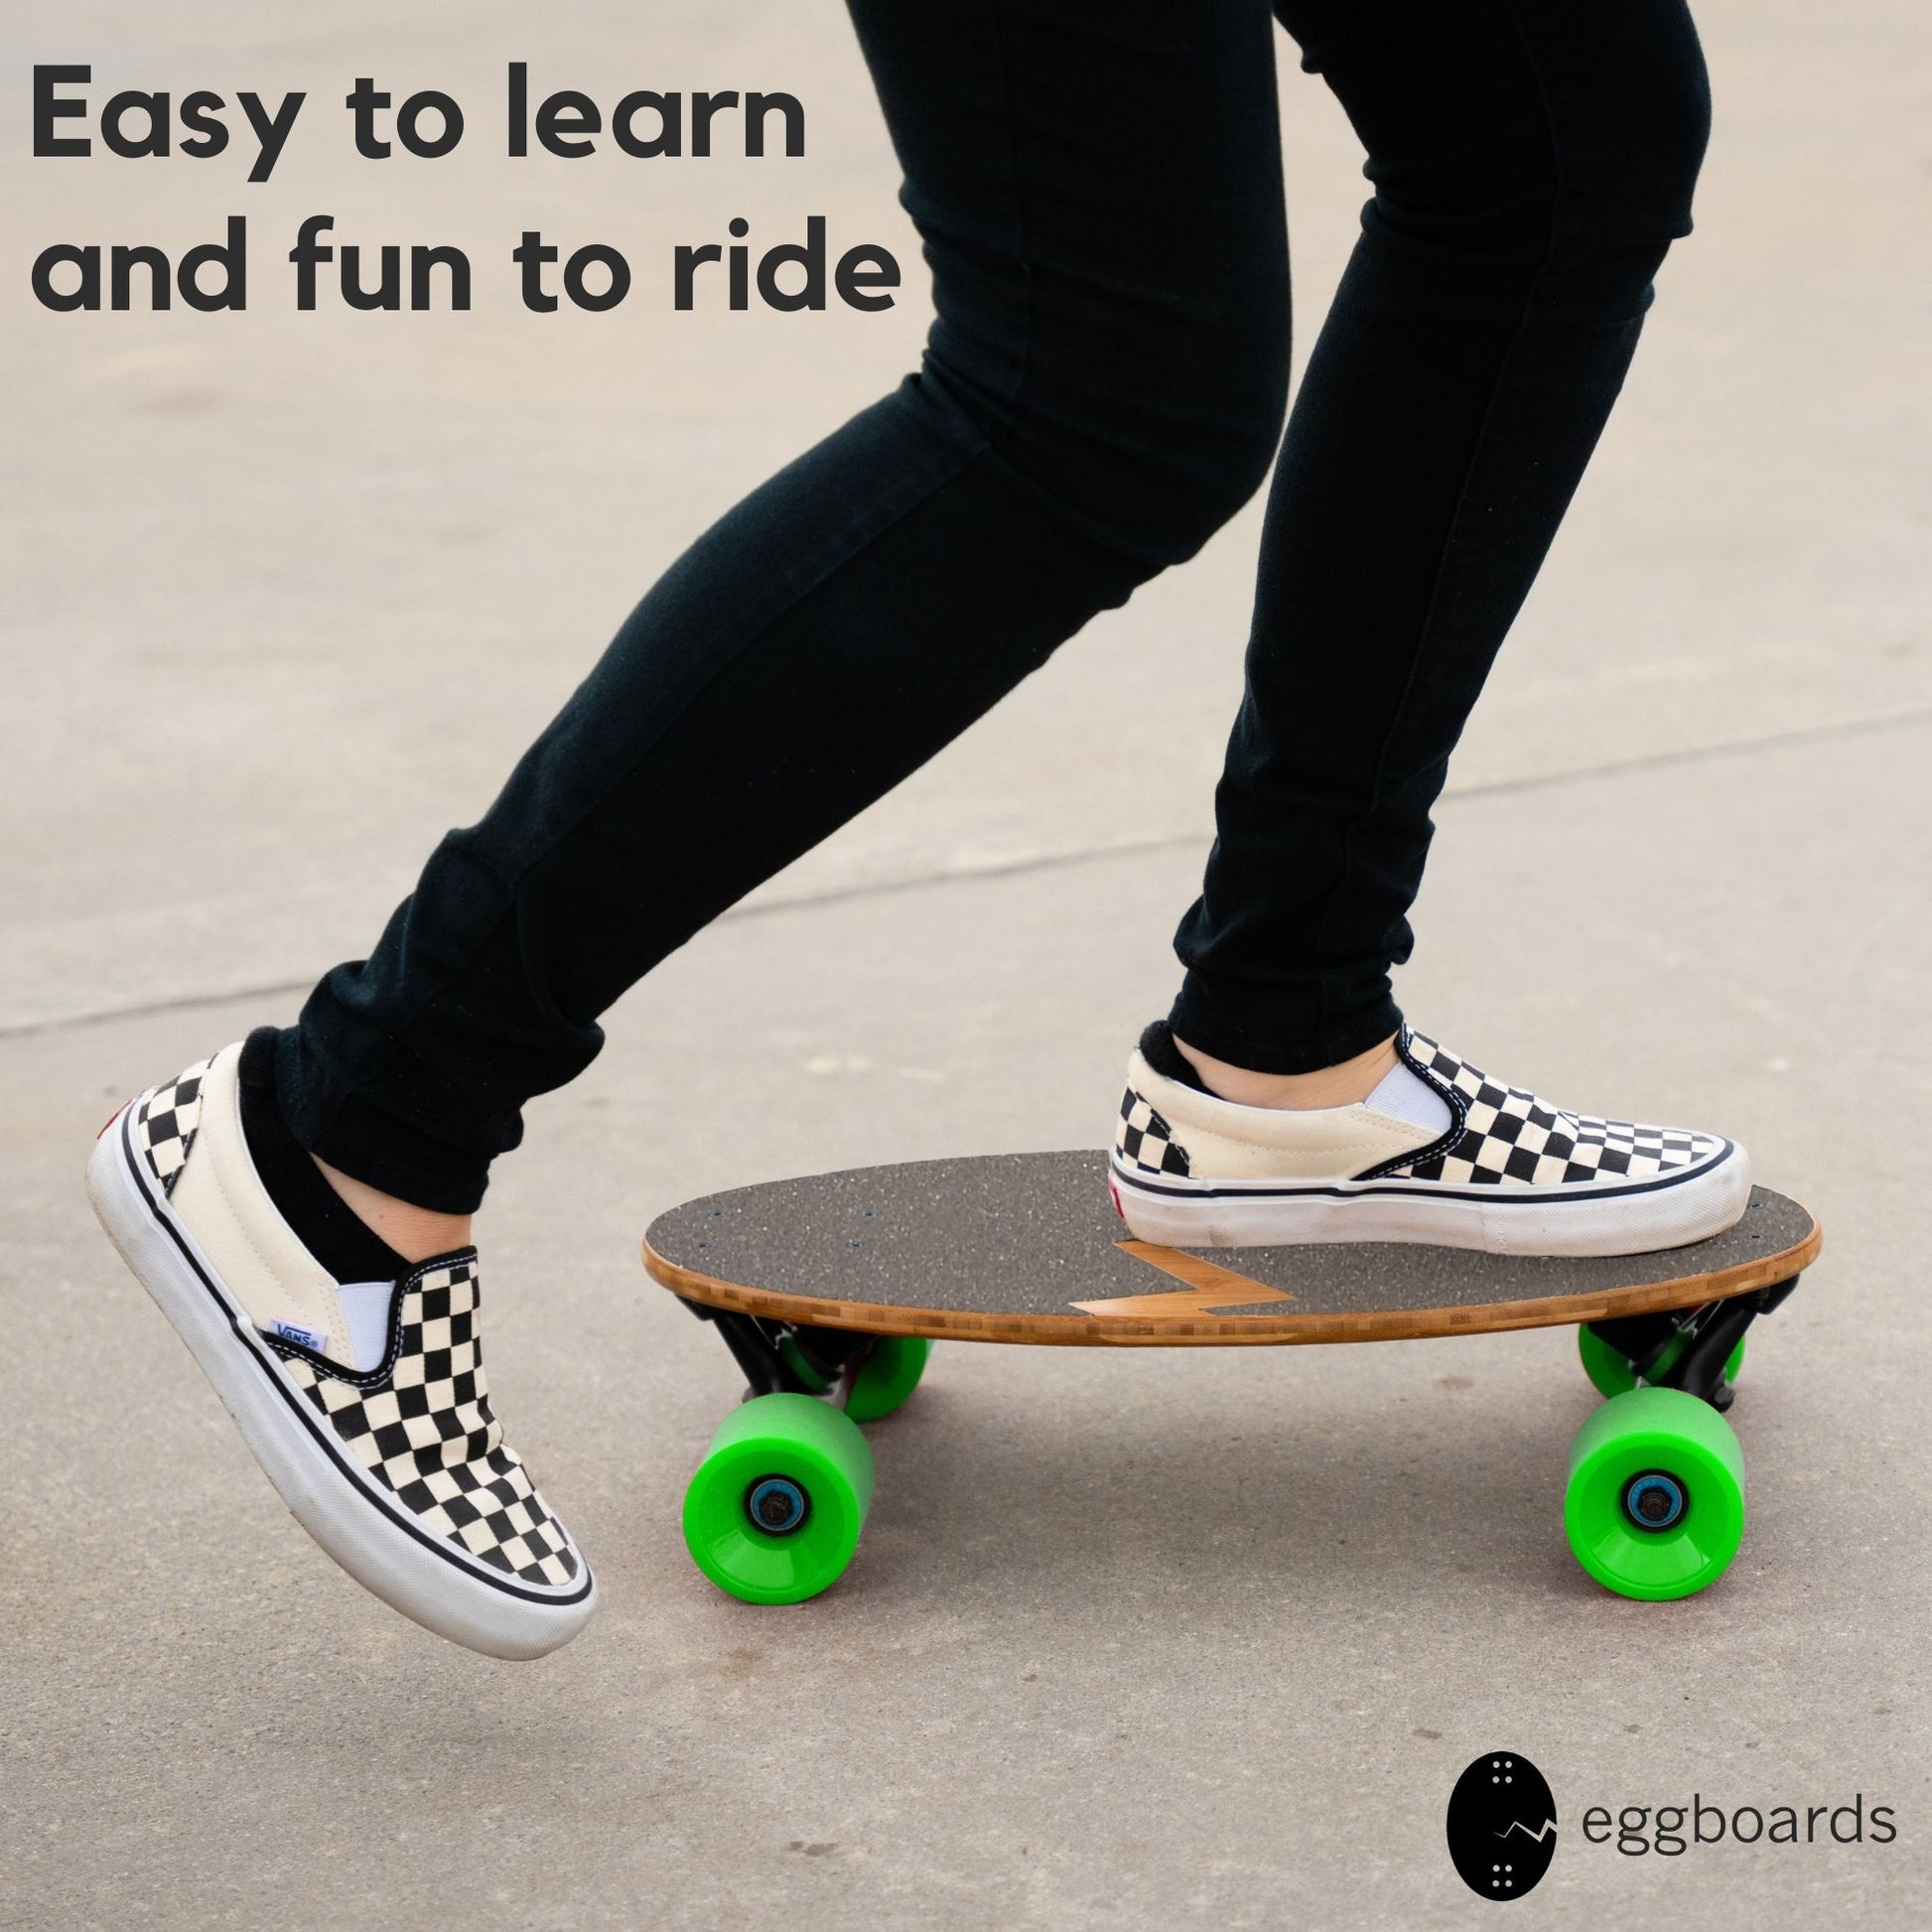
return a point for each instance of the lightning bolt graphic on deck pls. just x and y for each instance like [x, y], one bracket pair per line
[1212, 1287]
[1516, 1824]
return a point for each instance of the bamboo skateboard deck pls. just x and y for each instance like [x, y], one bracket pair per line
[830, 1291]
[1025, 1248]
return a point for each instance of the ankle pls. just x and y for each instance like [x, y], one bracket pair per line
[1344, 1084]
[413, 1232]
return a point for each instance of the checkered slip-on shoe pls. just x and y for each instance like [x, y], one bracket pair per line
[1512, 1175]
[365, 1403]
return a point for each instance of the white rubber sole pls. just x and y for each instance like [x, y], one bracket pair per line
[1624, 1218]
[326, 1491]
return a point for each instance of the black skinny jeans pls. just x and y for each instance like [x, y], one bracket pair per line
[1097, 183]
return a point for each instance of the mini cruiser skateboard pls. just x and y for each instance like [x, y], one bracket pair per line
[830, 1292]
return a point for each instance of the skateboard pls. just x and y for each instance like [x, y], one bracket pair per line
[830, 1292]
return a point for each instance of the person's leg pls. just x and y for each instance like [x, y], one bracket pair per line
[1098, 193]
[1532, 160]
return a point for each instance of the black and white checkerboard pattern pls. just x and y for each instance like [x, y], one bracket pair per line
[425, 1430]
[165, 1123]
[1512, 1139]
[1144, 1140]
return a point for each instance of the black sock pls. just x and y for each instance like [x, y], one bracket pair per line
[1159, 1053]
[346, 1245]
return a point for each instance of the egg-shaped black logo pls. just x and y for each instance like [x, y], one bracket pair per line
[1502, 1824]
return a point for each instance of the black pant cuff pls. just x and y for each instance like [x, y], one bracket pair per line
[371, 1144]
[1270, 1030]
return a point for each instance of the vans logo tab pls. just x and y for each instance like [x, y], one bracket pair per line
[302, 1337]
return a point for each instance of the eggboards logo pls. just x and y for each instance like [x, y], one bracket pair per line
[1502, 1826]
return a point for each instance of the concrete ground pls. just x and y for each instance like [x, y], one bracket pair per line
[1147, 1639]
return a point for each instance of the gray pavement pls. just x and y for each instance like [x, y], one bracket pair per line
[1148, 1639]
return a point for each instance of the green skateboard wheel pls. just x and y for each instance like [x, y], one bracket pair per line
[1610, 1369]
[774, 1513]
[1655, 1506]
[888, 1375]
